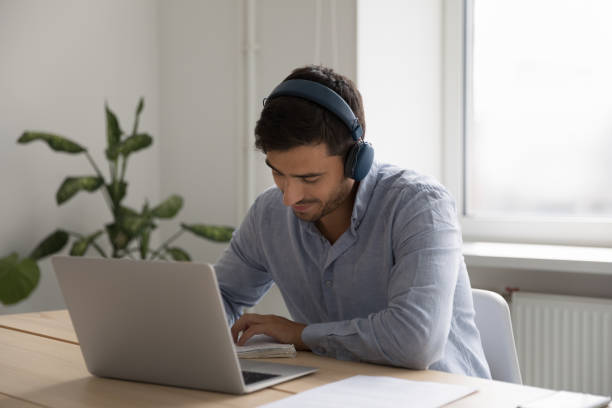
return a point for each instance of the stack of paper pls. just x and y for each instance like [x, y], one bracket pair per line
[262, 346]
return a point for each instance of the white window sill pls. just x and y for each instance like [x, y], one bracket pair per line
[538, 257]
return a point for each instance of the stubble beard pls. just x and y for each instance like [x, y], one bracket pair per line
[338, 198]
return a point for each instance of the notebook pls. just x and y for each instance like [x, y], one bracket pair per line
[262, 346]
[158, 322]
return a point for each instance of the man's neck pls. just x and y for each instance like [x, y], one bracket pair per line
[333, 225]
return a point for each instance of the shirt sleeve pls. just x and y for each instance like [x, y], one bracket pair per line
[413, 329]
[241, 273]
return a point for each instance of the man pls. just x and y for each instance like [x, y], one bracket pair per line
[369, 265]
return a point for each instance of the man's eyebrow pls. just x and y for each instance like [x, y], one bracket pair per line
[307, 175]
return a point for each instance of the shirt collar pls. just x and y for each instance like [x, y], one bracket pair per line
[365, 191]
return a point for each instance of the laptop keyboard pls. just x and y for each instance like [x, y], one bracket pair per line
[252, 376]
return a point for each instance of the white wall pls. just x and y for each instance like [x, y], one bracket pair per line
[203, 82]
[201, 86]
[399, 73]
[60, 61]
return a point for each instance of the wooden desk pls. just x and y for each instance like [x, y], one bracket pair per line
[55, 324]
[53, 374]
[41, 363]
[10, 402]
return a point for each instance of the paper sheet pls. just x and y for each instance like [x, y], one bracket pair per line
[566, 399]
[367, 391]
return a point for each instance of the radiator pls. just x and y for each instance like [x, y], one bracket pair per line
[564, 342]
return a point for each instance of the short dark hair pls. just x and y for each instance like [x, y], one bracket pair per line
[287, 121]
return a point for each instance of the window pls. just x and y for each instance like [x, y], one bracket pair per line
[529, 116]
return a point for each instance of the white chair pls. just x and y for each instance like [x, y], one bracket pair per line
[495, 326]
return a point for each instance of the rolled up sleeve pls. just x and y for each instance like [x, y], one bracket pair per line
[241, 273]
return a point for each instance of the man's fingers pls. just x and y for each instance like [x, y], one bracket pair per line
[243, 324]
[250, 332]
[279, 328]
[237, 328]
[240, 325]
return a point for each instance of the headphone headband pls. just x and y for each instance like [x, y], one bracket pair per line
[324, 96]
[359, 158]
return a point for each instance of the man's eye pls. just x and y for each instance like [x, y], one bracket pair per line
[310, 180]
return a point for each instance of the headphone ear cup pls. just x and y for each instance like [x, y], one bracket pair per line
[349, 163]
[363, 160]
[359, 160]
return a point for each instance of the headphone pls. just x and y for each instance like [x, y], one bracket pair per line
[360, 157]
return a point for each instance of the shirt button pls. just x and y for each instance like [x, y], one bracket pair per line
[328, 283]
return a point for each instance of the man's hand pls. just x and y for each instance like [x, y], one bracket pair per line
[279, 328]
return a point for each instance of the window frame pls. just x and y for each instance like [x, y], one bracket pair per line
[456, 105]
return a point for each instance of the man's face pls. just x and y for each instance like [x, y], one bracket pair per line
[312, 182]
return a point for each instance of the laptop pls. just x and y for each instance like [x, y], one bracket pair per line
[159, 322]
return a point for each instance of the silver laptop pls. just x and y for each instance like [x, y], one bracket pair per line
[158, 322]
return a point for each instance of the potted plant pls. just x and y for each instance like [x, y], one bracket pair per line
[129, 231]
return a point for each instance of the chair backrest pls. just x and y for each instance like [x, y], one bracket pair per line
[495, 326]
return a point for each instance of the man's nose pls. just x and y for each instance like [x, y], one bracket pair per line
[292, 193]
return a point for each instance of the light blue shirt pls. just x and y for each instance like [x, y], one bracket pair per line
[393, 289]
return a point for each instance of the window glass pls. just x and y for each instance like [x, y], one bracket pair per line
[539, 123]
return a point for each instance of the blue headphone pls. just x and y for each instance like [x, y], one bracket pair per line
[360, 157]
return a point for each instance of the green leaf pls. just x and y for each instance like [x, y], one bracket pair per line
[211, 232]
[112, 152]
[113, 132]
[80, 247]
[145, 235]
[50, 245]
[129, 225]
[132, 222]
[139, 109]
[127, 211]
[144, 243]
[140, 106]
[178, 254]
[169, 208]
[55, 142]
[17, 279]
[7, 263]
[145, 208]
[134, 143]
[73, 185]
[119, 239]
[134, 225]
[117, 191]
[9, 260]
